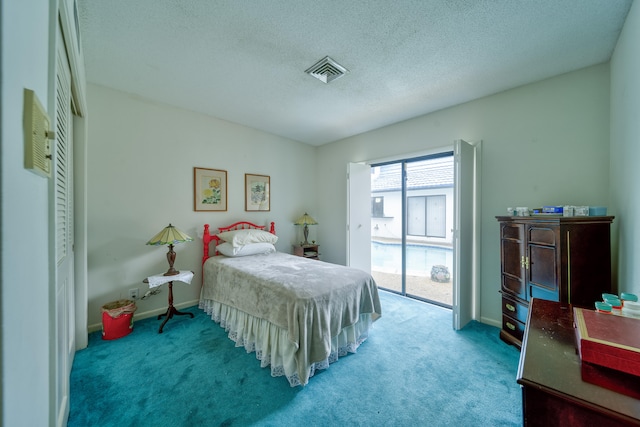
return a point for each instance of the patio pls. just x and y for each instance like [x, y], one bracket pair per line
[420, 286]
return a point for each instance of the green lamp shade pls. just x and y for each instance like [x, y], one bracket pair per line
[169, 236]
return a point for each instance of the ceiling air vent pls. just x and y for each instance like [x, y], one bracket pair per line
[326, 70]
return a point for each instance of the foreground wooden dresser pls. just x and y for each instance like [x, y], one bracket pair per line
[553, 393]
[566, 259]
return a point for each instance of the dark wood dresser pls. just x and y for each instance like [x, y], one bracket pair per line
[553, 393]
[566, 259]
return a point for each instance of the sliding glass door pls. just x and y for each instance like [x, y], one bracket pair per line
[412, 219]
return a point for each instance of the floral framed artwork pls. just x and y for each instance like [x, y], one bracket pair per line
[257, 189]
[209, 189]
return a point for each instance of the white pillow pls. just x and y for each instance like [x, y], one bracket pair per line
[239, 238]
[250, 249]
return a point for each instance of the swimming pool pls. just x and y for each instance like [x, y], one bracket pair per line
[386, 257]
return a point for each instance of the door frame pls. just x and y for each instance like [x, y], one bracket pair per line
[474, 311]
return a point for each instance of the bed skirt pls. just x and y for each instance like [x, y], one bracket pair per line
[271, 343]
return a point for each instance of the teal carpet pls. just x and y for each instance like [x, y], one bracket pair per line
[413, 370]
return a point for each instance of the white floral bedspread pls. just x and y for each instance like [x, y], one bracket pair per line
[313, 300]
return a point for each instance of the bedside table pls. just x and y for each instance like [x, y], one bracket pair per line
[307, 251]
[160, 279]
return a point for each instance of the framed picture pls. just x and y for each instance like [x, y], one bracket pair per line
[209, 189]
[257, 189]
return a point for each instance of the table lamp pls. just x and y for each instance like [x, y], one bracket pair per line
[169, 236]
[305, 220]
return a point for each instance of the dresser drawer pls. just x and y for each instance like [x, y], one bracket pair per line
[514, 286]
[514, 309]
[513, 327]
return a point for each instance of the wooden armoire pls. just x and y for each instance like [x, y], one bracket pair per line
[565, 259]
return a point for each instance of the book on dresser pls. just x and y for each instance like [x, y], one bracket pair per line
[609, 350]
[556, 258]
[608, 340]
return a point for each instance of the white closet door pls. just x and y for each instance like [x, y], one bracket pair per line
[62, 209]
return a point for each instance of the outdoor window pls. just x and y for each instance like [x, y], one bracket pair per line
[377, 207]
[426, 216]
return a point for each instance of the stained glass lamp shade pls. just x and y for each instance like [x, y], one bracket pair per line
[305, 220]
[169, 236]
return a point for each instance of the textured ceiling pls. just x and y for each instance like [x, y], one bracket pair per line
[244, 61]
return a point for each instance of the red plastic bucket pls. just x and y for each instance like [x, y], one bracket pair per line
[117, 319]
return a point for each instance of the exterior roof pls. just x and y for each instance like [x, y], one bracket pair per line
[432, 173]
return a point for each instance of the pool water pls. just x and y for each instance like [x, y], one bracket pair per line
[386, 257]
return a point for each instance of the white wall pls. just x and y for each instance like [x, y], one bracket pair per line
[140, 162]
[625, 150]
[545, 143]
[25, 220]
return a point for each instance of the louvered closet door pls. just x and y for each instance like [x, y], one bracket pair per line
[62, 198]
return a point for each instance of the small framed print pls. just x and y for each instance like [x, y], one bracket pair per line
[209, 189]
[257, 189]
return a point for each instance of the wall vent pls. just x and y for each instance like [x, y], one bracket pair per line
[326, 70]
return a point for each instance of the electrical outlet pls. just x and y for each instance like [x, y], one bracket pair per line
[134, 293]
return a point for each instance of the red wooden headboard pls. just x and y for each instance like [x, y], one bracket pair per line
[241, 225]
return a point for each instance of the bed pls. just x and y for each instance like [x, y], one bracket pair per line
[298, 315]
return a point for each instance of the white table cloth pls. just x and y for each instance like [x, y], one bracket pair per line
[159, 279]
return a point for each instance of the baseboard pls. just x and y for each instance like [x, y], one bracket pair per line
[491, 322]
[146, 314]
[154, 313]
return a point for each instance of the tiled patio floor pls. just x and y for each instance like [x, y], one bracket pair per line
[421, 286]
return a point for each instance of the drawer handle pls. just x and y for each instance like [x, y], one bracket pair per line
[511, 326]
[510, 307]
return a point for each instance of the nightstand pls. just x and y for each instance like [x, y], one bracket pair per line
[307, 251]
[160, 279]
